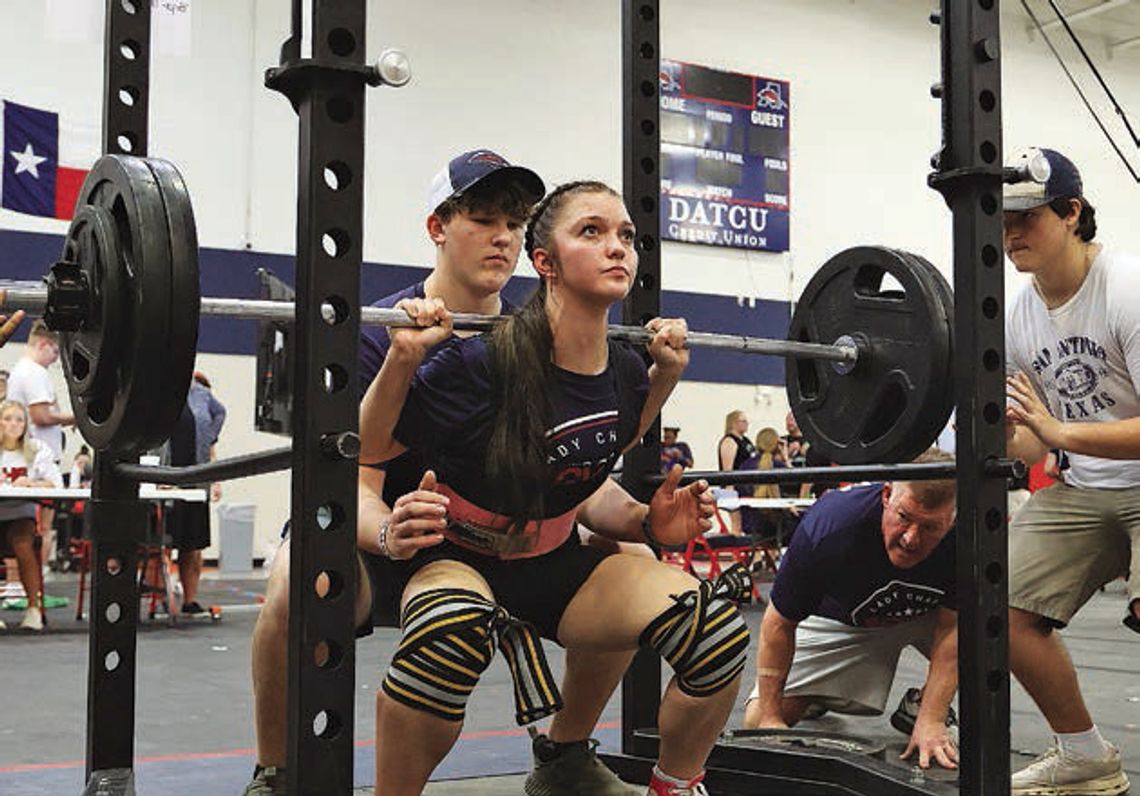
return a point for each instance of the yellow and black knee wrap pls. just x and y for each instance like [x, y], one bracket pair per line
[449, 639]
[703, 636]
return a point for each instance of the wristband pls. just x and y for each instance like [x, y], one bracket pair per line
[382, 540]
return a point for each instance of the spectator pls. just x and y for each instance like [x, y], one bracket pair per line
[673, 451]
[733, 453]
[30, 383]
[3, 385]
[764, 523]
[24, 462]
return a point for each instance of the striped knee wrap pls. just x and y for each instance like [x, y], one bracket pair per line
[702, 635]
[449, 639]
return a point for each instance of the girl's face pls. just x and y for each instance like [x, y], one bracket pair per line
[593, 244]
[12, 424]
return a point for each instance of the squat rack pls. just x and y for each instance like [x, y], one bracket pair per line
[968, 173]
[324, 78]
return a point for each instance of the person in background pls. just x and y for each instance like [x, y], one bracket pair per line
[31, 384]
[3, 385]
[8, 326]
[24, 462]
[209, 417]
[733, 453]
[673, 451]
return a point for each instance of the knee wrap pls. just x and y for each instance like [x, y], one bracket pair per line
[447, 644]
[703, 637]
[449, 639]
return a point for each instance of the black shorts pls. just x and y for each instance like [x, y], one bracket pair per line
[535, 590]
[187, 525]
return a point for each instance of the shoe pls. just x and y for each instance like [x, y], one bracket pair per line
[1056, 773]
[268, 781]
[659, 787]
[193, 607]
[33, 619]
[906, 714]
[814, 710]
[3, 625]
[1131, 621]
[575, 772]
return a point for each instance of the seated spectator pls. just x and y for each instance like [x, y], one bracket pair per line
[673, 451]
[870, 571]
[24, 462]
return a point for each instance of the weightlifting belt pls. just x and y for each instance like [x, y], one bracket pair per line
[486, 532]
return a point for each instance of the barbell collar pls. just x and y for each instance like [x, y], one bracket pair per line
[930, 471]
[33, 297]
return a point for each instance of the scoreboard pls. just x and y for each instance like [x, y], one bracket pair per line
[724, 158]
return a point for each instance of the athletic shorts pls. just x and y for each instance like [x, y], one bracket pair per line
[1066, 542]
[187, 525]
[535, 590]
[851, 669]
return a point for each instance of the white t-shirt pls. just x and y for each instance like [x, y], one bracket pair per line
[30, 383]
[1084, 358]
[13, 465]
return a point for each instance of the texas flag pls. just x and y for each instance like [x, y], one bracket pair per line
[32, 180]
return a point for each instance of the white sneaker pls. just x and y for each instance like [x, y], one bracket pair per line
[1056, 773]
[3, 625]
[33, 619]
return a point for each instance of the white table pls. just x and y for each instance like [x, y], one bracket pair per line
[146, 492]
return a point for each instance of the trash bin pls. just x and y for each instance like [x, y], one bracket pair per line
[235, 538]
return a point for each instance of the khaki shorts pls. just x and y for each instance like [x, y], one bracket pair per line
[1066, 542]
[851, 669]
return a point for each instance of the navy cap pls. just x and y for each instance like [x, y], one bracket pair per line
[1050, 175]
[471, 168]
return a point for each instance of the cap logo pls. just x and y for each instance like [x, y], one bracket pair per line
[487, 157]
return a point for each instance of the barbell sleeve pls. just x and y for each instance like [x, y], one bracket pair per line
[33, 297]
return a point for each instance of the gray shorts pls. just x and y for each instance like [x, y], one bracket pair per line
[1066, 542]
[851, 669]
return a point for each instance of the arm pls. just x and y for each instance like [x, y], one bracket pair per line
[670, 357]
[384, 400]
[415, 522]
[42, 415]
[1113, 439]
[727, 453]
[675, 515]
[929, 737]
[777, 646]
[217, 415]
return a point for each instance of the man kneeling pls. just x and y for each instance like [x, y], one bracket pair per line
[869, 571]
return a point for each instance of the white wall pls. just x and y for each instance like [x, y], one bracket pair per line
[539, 80]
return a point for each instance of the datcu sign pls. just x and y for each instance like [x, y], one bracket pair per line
[724, 158]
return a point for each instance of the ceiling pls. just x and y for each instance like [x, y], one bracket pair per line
[1105, 27]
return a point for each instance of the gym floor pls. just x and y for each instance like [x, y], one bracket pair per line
[194, 725]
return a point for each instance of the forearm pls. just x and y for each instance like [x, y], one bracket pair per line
[661, 384]
[613, 513]
[942, 679]
[774, 660]
[1115, 439]
[380, 409]
[371, 512]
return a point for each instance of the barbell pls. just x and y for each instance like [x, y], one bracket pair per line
[868, 371]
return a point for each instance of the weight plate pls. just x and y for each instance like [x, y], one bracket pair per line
[182, 348]
[883, 408]
[943, 406]
[797, 740]
[117, 413]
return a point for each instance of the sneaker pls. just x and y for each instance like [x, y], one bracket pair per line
[1056, 773]
[193, 607]
[33, 619]
[906, 714]
[268, 781]
[659, 787]
[3, 625]
[575, 772]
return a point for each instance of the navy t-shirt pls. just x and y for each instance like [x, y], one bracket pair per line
[448, 416]
[837, 566]
[402, 474]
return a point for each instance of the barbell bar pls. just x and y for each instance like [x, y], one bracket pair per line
[32, 297]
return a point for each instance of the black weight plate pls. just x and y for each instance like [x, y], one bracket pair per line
[798, 740]
[185, 301]
[90, 355]
[941, 408]
[117, 415]
[878, 410]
